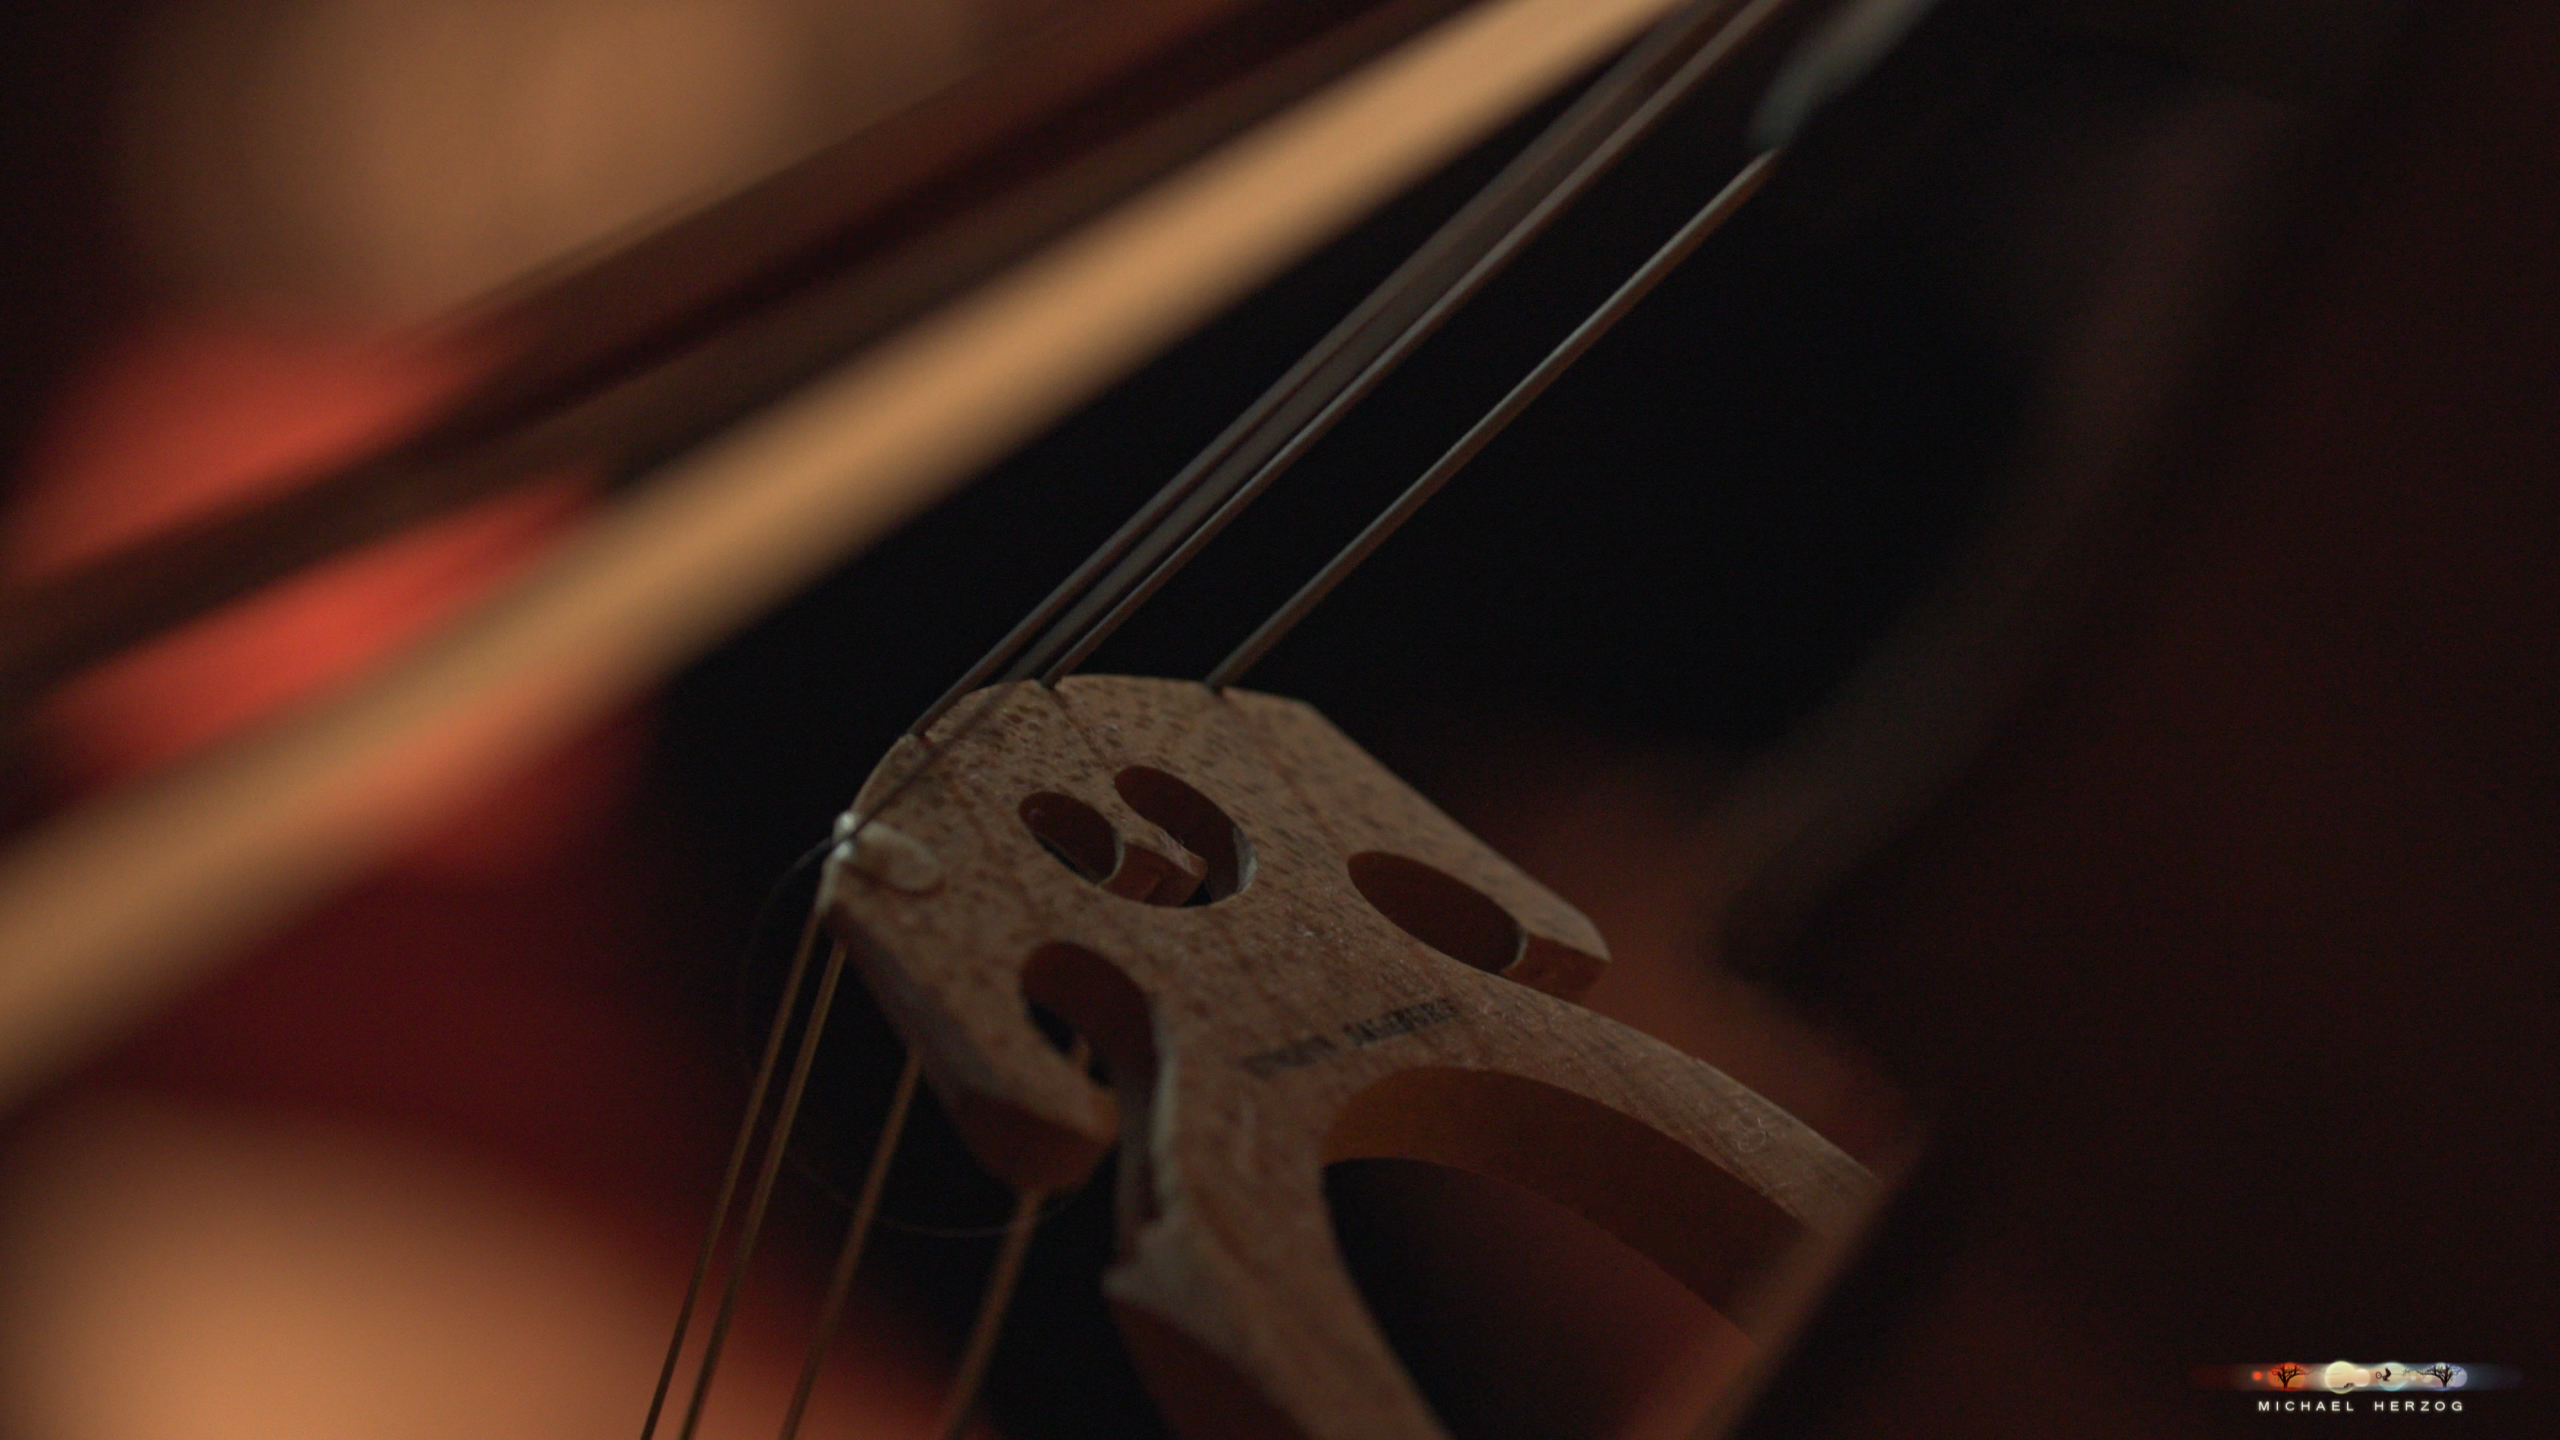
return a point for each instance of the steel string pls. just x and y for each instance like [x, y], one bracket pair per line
[1181, 518]
[1494, 421]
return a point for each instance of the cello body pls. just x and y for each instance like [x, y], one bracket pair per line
[2156, 791]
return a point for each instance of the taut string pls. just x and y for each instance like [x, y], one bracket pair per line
[775, 1036]
[997, 1298]
[1173, 526]
[1343, 368]
[1137, 578]
[1598, 323]
[992, 1305]
[768, 1168]
[857, 1232]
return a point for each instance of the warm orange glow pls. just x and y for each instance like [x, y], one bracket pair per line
[176, 1271]
[180, 1261]
[193, 416]
[395, 159]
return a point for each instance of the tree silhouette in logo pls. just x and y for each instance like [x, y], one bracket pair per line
[2286, 1375]
[2442, 1372]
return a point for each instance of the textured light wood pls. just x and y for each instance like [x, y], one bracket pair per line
[1254, 1039]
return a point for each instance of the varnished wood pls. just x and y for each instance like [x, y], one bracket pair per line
[109, 910]
[1286, 1023]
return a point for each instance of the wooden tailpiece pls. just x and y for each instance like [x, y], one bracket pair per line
[1283, 957]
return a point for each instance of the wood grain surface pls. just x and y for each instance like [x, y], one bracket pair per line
[1284, 958]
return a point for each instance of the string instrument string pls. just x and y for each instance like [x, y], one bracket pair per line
[768, 1170]
[776, 1035]
[1494, 421]
[1135, 582]
[857, 1234]
[113, 906]
[1456, 263]
[1450, 268]
[997, 1297]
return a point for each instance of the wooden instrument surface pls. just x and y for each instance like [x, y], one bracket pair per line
[2216, 925]
[1363, 980]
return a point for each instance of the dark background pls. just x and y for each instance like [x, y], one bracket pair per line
[2223, 950]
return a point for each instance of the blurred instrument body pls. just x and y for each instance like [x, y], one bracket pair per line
[780, 378]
